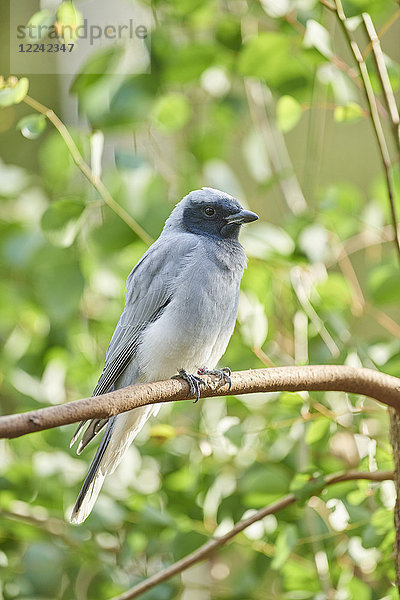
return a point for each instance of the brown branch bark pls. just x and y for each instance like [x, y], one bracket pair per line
[381, 387]
[209, 547]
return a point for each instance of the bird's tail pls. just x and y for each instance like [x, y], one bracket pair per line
[119, 434]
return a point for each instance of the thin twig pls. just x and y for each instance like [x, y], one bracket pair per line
[383, 30]
[383, 78]
[209, 547]
[377, 385]
[328, 4]
[384, 320]
[86, 170]
[264, 358]
[369, 237]
[386, 26]
[377, 126]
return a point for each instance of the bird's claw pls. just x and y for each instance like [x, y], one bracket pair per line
[193, 381]
[223, 374]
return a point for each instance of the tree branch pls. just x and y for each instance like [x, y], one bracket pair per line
[209, 547]
[381, 387]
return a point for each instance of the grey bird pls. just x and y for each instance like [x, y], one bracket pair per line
[180, 311]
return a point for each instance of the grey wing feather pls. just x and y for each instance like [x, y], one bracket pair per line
[148, 291]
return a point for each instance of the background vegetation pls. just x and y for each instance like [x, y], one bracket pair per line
[264, 101]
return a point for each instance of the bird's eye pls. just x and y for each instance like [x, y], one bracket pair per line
[209, 211]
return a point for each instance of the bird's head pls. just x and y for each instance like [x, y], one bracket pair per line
[211, 213]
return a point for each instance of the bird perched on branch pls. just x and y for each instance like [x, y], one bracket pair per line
[180, 311]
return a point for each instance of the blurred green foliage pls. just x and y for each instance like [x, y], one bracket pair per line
[227, 82]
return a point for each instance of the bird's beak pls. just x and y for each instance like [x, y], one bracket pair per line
[243, 216]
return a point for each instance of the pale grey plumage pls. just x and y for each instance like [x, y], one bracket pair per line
[180, 311]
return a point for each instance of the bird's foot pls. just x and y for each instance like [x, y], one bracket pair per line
[223, 374]
[193, 381]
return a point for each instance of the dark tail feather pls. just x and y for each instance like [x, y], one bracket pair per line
[88, 493]
[93, 429]
[76, 434]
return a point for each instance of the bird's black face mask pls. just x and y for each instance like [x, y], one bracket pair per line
[218, 219]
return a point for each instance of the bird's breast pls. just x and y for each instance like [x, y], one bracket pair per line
[194, 328]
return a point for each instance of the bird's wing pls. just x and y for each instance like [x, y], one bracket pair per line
[149, 289]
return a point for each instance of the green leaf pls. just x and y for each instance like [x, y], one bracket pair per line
[334, 293]
[285, 543]
[55, 160]
[186, 542]
[382, 520]
[69, 18]
[97, 67]
[39, 24]
[21, 90]
[300, 575]
[302, 486]
[350, 112]
[358, 590]
[171, 112]
[43, 563]
[384, 284]
[269, 479]
[181, 480]
[187, 63]
[317, 430]
[318, 37]
[156, 520]
[275, 58]
[58, 281]
[32, 126]
[131, 104]
[392, 366]
[162, 432]
[339, 206]
[370, 538]
[288, 113]
[14, 93]
[291, 399]
[229, 32]
[235, 434]
[59, 221]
